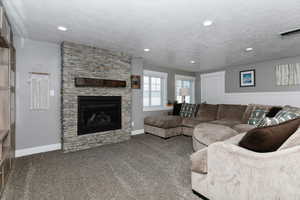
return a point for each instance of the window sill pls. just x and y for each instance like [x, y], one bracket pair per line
[161, 108]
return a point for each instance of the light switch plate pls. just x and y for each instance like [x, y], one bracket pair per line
[52, 93]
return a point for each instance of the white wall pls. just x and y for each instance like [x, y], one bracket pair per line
[209, 83]
[37, 128]
[137, 97]
[265, 77]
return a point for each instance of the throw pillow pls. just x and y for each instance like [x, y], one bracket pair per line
[269, 139]
[188, 110]
[288, 113]
[177, 108]
[273, 111]
[257, 116]
[267, 121]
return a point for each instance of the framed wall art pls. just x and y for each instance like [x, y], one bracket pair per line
[135, 82]
[247, 78]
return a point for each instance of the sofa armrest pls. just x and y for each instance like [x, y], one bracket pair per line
[242, 173]
[199, 161]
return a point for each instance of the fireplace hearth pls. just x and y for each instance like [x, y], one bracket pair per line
[98, 114]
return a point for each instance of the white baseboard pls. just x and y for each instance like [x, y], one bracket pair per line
[138, 132]
[39, 149]
[53, 147]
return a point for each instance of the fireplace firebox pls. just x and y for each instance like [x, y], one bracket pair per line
[98, 114]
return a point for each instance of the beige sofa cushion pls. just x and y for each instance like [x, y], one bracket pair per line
[229, 123]
[241, 128]
[292, 141]
[235, 139]
[191, 122]
[199, 161]
[207, 112]
[231, 112]
[208, 133]
[169, 121]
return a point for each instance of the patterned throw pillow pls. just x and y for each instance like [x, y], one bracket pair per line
[288, 113]
[257, 116]
[267, 121]
[188, 110]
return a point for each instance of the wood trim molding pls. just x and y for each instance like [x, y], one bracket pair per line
[39, 149]
[92, 82]
[137, 132]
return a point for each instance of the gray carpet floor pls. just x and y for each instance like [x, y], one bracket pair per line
[143, 168]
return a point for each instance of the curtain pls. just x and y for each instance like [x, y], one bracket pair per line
[288, 74]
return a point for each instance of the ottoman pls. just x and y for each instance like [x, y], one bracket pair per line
[163, 126]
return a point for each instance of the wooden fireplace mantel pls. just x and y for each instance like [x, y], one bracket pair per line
[92, 82]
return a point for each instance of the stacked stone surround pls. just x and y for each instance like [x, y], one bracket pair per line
[90, 62]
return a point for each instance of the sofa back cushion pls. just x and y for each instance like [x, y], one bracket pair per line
[269, 139]
[207, 112]
[188, 110]
[231, 112]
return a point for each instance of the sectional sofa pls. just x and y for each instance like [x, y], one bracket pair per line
[210, 123]
[223, 169]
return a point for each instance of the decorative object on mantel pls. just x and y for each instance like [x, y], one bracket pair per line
[287, 75]
[92, 82]
[135, 82]
[247, 78]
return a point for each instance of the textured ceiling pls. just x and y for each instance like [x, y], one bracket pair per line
[172, 29]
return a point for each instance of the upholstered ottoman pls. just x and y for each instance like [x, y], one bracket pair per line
[207, 133]
[163, 126]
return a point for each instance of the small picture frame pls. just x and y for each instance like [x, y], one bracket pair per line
[135, 82]
[247, 78]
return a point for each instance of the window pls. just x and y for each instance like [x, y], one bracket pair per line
[185, 82]
[155, 89]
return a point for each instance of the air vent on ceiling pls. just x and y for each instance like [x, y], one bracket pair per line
[290, 32]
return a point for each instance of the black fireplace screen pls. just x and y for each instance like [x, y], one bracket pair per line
[98, 114]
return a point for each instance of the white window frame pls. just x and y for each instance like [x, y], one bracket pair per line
[164, 82]
[188, 78]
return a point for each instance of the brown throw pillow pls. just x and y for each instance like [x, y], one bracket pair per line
[273, 111]
[270, 138]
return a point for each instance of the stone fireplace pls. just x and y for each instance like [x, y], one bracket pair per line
[94, 116]
[98, 114]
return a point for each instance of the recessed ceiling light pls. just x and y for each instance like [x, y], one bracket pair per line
[192, 62]
[249, 49]
[146, 50]
[62, 28]
[207, 23]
